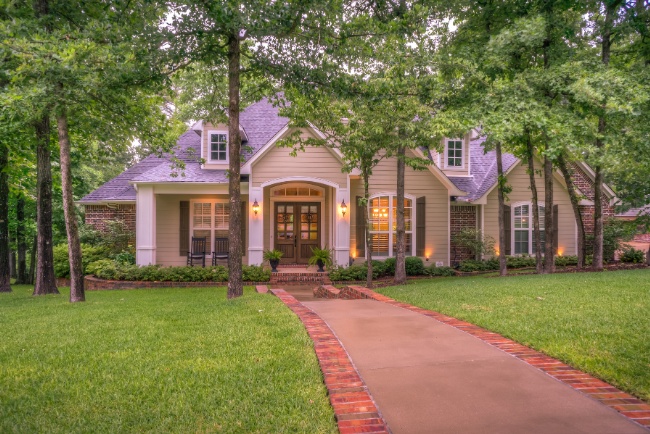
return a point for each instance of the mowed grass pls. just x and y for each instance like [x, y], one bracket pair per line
[157, 360]
[596, 322]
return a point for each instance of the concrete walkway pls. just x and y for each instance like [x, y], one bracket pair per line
[428, 377]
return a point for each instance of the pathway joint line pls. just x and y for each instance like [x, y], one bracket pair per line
[580, 381]
[354, 408]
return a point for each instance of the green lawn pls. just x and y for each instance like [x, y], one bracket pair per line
[597, 322]
[157, 360]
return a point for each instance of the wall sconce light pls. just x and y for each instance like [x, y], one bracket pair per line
[344, 208]
[256, 207]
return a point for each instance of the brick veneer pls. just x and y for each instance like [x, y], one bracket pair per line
[353, 405]
[460, 217]
[97, 215]
[584, 183]
[92, 283]
[626, 404]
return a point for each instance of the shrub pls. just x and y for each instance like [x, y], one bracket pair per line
[440, 271]
[255, 273]
[630, 254]
[614, 232]
[475, 241]
[471, 265]
[98, 267]
[125, 257]
[520, 261]
[89, 254]
[389, 266]
[354, 272]
[563, 261]
[414, 266]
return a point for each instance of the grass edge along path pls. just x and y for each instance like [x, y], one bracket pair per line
[163, 360]
[353, 405]
[624, 403]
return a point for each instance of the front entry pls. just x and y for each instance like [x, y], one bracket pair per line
[297, 230]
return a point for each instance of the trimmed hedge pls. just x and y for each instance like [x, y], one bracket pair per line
[89, 254]
[111, 270]
[414, 267]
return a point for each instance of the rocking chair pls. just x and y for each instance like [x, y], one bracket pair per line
[197, 251]
[221, 248]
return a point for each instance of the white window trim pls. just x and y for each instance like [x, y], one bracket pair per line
[530, 229]
[462, 154]
[412, 198]
[209, 147]
[212, 215]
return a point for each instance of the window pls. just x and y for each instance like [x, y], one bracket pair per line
[218, 147]
[383, 225]
[523, 229]
[454, 153]
[210, 220]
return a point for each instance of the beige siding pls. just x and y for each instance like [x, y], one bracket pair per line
[168, 224]
[519, 180]
[417, 183]
[316, 162]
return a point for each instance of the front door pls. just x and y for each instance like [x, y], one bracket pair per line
[297, 230]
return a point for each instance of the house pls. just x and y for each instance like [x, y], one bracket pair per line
[295, 203]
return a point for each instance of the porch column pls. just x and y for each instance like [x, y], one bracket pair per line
[145, 225]
[342, 228]
[255, 226]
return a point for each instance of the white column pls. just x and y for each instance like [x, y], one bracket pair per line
[342, 229]
[145, 225]
[255, 226]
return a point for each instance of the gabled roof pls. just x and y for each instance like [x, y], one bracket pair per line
[259, 121]
[483, 169]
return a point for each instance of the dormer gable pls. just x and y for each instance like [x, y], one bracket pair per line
[454, 160]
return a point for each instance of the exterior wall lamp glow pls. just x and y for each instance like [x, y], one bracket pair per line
[344, 208]
[256, 207]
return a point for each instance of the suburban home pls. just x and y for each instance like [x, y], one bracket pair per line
[295, 203]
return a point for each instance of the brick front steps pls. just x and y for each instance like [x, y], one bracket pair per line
[353, 406]
[347, 293]
[626, 404]
[298, 278]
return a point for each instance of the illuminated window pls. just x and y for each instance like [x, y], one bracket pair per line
[383, 225]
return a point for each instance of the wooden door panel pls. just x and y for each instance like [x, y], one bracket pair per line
[285, 231]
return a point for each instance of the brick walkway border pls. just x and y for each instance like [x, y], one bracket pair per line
[353, 406]
[626, 404]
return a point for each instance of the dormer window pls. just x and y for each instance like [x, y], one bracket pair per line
[218, 146]
[454, 154]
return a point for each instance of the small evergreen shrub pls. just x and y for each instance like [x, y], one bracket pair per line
[414, 266]
[111, 270]
[520, 261]
[564, 261]
[632, 255]
[471, 265]
[354, 272]
[440, 271]
[389, 266]
[89, 254]
[255, 273]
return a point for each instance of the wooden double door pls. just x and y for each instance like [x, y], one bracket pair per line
[297, 230]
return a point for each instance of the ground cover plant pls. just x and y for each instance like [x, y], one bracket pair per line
[164, 360]
[596, 322]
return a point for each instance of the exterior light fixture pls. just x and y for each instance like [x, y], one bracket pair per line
[256, 207]
[344, 208]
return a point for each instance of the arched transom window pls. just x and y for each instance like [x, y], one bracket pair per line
[383, 225]
[522, 224]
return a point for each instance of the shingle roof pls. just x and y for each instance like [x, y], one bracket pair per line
[260, 121]
[635, 212]
[483, 170]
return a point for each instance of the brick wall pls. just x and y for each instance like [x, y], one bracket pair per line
[97, 215]
[584, 183]
[461, 216]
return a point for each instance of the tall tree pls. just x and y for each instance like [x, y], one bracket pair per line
[5, 278]
[20, 239]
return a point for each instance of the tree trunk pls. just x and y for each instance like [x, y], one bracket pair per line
[13, 272]
[74, 245]
[549, 229]
[5, 278]
[575, 204]
[606, 46]
[235, 284]
[45, 280]
[31, 278]
[366, 196]
[20, 239]
[501, 181]
[537, 239]
[400, 262]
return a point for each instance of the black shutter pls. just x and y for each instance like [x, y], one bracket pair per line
[507, 228]
[361, 229]
[184, 230]
[420, 228]
[244, 223]
[556, 232]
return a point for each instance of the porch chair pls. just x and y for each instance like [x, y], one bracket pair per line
[197, 251]
[221, 248]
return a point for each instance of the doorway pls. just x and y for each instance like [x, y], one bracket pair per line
[297, 230]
